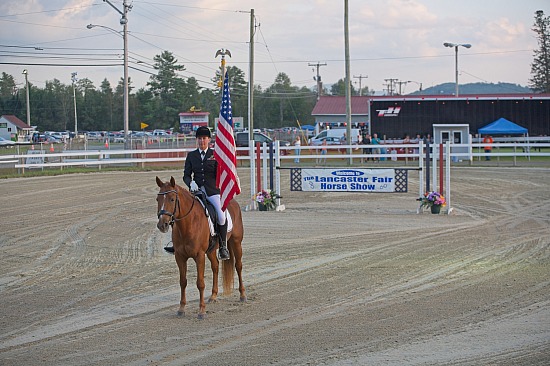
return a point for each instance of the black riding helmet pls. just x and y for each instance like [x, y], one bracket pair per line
[203, 131]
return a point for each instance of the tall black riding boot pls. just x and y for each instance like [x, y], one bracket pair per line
[223, 252]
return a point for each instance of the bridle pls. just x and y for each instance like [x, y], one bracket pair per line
[172, 215]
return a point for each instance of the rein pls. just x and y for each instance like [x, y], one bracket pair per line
[172, 215]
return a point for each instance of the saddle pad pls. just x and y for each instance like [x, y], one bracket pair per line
[229, 224]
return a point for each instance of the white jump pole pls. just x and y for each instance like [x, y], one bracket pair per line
[448, 177]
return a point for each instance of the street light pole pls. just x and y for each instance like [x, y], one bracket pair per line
[456, 45]
[28, 101]
[73, 78]
[124, 23]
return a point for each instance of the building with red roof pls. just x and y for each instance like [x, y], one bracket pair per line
[12, 128]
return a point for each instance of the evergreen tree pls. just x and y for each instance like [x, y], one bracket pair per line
[107, 105]
[9, 96]
[169, 90]
[340, 88]
[239, 92]
[540, 68]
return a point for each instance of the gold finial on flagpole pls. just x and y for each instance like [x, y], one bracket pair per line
[222, 52]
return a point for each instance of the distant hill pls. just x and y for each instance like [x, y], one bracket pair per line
[475, 88]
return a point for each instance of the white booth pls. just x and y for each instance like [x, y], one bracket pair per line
[456, 134]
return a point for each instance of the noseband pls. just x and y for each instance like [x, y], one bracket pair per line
[172, 215]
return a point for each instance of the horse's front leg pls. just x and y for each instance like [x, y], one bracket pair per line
[214, 264]
[182, 265]
[200, 262]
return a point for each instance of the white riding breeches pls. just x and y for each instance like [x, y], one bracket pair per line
[216, 202]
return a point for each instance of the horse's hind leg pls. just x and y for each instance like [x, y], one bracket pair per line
[214, 265]
[238, 255]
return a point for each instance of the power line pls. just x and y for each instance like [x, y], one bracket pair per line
[60, 48]
[55, 65]
[48, 11]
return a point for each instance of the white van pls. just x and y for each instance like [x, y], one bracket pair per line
[337, 133]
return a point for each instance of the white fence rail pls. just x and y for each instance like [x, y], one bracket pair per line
[112, 157]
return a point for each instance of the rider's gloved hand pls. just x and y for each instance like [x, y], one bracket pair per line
[193, 186]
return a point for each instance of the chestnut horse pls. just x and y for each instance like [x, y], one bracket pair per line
[191, 236]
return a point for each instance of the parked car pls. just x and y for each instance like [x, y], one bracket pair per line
[116, 137]
[62, 136]
[330, 141]
[160, 133]
[93, 135]
[49, 139]
[4, 142]
[241, 140]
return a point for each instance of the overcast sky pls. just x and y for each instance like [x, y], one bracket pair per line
[392, 39]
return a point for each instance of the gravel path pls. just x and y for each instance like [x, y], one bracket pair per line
[335, 279]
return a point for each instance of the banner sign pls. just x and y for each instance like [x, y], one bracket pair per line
[31, 160]
[349, 180]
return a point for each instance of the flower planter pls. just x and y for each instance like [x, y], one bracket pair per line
[436, 209]
[262, 207]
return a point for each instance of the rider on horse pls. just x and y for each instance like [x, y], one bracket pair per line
[200, 174]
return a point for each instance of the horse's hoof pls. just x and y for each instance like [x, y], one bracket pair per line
[201, 316]
[212, 300]
[243, 298]
[180, 313]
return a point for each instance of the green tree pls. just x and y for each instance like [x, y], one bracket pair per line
[167, 87]
[540, 68]
[9, 96]
[239, 92]
[144, 108]
[106, 109]
[340, 88]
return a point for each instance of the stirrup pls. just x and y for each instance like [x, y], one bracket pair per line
[223, 258]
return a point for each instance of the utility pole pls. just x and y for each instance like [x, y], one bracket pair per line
[390, 85]
[348, 79]
[251, 103]
[360, 77]
[318, 78]
[124, 23]
[25, 72]
[401, 83]
[251, 77]
[74, 79]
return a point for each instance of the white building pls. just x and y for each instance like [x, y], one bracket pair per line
[12, 128]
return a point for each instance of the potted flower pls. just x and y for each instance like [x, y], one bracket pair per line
[265, 199]
[434, 200]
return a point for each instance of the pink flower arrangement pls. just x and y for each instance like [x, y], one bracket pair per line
[433, 199]
[266, 198]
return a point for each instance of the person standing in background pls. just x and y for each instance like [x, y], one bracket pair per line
[488, 141]
[375, 140]
[323, 159]
[297, 144]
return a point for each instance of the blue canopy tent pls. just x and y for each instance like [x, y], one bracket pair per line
[503, 127]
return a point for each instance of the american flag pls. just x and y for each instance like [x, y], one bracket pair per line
[225, 151]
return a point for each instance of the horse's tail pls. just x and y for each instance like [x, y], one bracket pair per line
[228, 277]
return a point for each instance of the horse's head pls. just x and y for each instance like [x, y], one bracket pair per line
[167, 204]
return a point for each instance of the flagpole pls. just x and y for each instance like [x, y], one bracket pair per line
[222, 52]
[224, 150]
